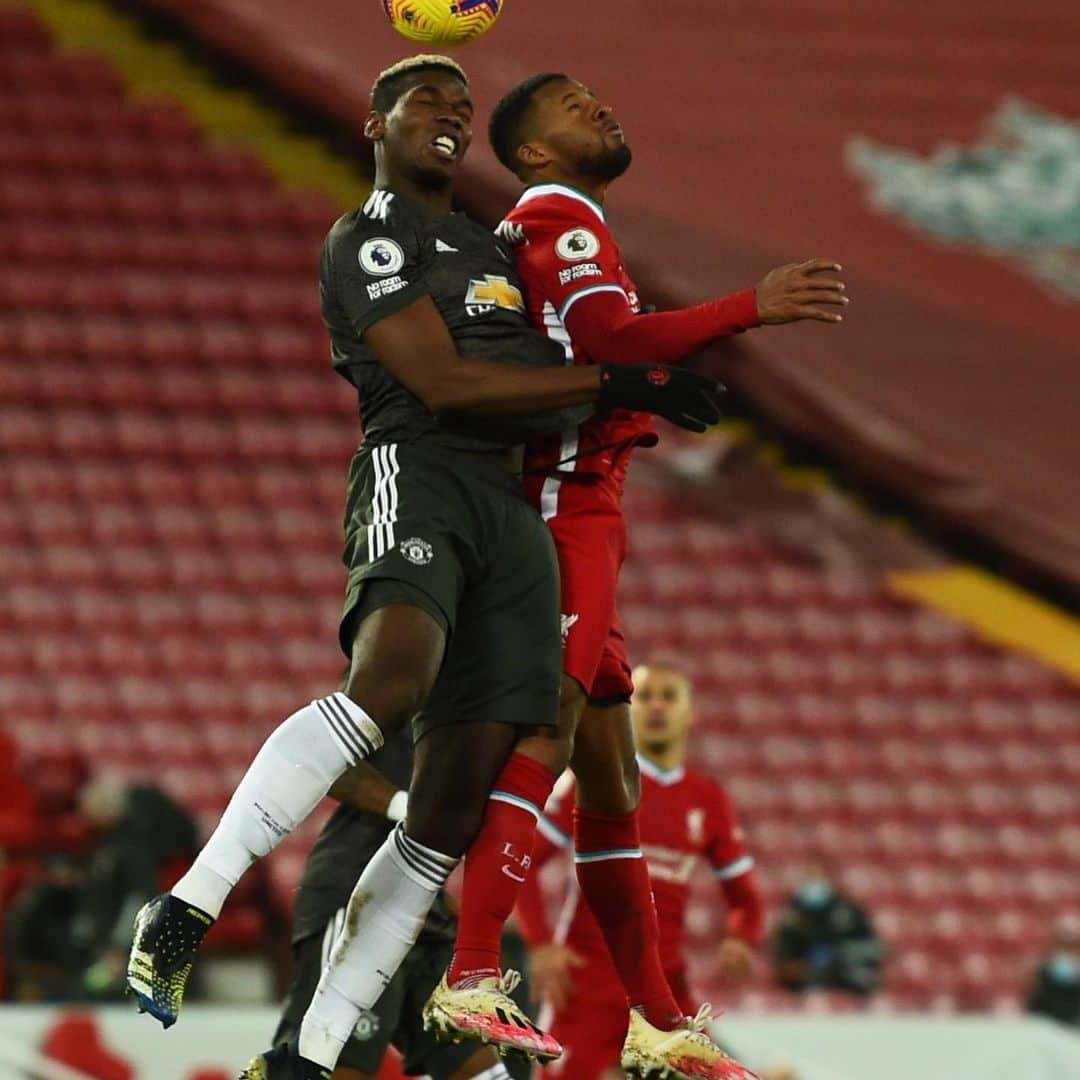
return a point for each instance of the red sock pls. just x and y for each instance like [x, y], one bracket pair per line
[496, 866]
[614, 879]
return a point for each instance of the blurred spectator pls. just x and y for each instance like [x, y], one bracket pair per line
[43, 961]
[142, 835]
[67, 931]
[1056, 992]
[825, 940]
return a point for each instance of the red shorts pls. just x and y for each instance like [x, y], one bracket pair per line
[589, 529]
[592, 1026]
[592, 1031]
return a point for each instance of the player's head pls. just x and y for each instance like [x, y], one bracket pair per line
[551, 127]
[421, 120]
[661, 709]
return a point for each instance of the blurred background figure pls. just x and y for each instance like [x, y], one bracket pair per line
[1056, 992]
[92, 852]
[687, 821]
[42, 959]
[825, 940]
[143, 838]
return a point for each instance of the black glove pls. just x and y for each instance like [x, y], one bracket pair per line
[690, 400]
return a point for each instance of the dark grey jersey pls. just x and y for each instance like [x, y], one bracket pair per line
[381, 257]
[346, 845]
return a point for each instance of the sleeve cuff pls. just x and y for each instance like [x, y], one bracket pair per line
[389, 305]
[735, 869]
[744, 308]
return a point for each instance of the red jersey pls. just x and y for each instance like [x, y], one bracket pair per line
[564, 252]
[684, 818]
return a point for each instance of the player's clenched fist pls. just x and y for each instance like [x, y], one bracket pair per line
[806, 290]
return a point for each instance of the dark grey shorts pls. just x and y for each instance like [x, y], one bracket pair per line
[452, 533]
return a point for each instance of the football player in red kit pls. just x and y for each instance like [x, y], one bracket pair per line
[685, 818]
[567, 147]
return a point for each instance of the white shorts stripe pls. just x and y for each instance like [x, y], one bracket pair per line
[373, 528]
[549, 497]
[392, 493]
[384, 501]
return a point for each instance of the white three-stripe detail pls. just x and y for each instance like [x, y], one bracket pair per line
[384, 502]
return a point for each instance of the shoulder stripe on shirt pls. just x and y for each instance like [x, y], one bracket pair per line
[573, 298]
[734, 869]
[378, 204]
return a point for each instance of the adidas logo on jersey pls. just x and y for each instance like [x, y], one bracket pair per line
[442, 245]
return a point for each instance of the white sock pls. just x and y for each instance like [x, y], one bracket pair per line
[385, 915]
[291, 773]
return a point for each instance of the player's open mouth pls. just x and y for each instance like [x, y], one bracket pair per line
[445, 146]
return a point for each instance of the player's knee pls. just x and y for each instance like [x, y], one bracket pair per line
[442, 825]
[572, 702]
[390, 698]
[551, 746]
[396, 655]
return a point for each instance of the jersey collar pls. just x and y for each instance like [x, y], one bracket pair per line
[540, 190]
[666, 777]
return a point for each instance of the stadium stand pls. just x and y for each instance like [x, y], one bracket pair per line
[175, 448]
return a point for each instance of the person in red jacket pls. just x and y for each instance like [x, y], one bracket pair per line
[685, 818]
[567, 148]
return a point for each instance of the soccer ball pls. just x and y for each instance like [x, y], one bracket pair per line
[442, 22]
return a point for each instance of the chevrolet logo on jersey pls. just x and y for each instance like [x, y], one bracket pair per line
[492, 292]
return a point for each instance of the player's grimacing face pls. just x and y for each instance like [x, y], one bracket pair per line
[660, 709]
[429, 129]
[579, 131]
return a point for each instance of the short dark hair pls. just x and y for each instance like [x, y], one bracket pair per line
[508, 117]
[396, 79]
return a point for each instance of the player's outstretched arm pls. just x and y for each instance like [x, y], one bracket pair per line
[605, 325]
[415, 346]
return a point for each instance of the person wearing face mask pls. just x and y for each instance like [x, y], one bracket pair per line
[824, 940]
[1056, 992]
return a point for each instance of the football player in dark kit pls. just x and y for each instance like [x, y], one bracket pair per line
[452, 609]
[373, 799]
